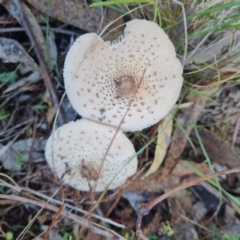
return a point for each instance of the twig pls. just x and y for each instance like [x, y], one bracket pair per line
[84, 222]
[56, 30]
[145, 208]
[44, 72]
[109, 221]
[54, 219]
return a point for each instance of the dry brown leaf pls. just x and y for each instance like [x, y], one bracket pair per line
[163, 141]
[156, 182]
[47, 98]
[183, 230]
[50, 114]
[185, 119]
[217, 150]
[42, 218]
[51, 109]
[77, 13]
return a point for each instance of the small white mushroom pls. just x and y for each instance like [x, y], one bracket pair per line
[76, 153]
[141, 71]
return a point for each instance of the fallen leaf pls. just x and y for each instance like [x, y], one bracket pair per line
[50, 114]
[11, 51]
[42, 218]
[47, 98]
[181, 206]
[38, 37]
[163, 141]
[217, 150]
[78, 14]
[156, 182]
[14, 155]
[184, 125]
[209, 52]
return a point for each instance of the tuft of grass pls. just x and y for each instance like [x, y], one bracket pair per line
[1, 189]
[219, 234]
[8, 77]
[19, 159]
[4, 114]
[9, 236]
[41, 106]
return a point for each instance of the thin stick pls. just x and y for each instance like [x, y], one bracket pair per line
[145, 208]
[43, 68]
[54, 219]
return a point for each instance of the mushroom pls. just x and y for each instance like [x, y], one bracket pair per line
[77, 154]
[140, 75]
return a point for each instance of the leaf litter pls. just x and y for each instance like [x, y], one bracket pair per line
[25, 129]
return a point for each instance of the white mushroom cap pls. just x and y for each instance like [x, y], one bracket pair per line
[76, 150]
[102, 80]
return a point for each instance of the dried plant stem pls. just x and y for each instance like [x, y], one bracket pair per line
[145, 208]
[43, 66]
[54, 219]
[15, 187]
[95, 227]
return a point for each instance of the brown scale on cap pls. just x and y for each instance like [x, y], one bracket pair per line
[89, 172]
[125, 85]
[141, 68]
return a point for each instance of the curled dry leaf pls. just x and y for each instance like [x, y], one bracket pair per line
[163, 141]
[217, 150]
[39, 39]
[51, 109]
[157, 181]
[229, 41]
[11, 51]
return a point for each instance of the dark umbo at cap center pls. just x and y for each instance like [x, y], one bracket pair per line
[125, 85]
